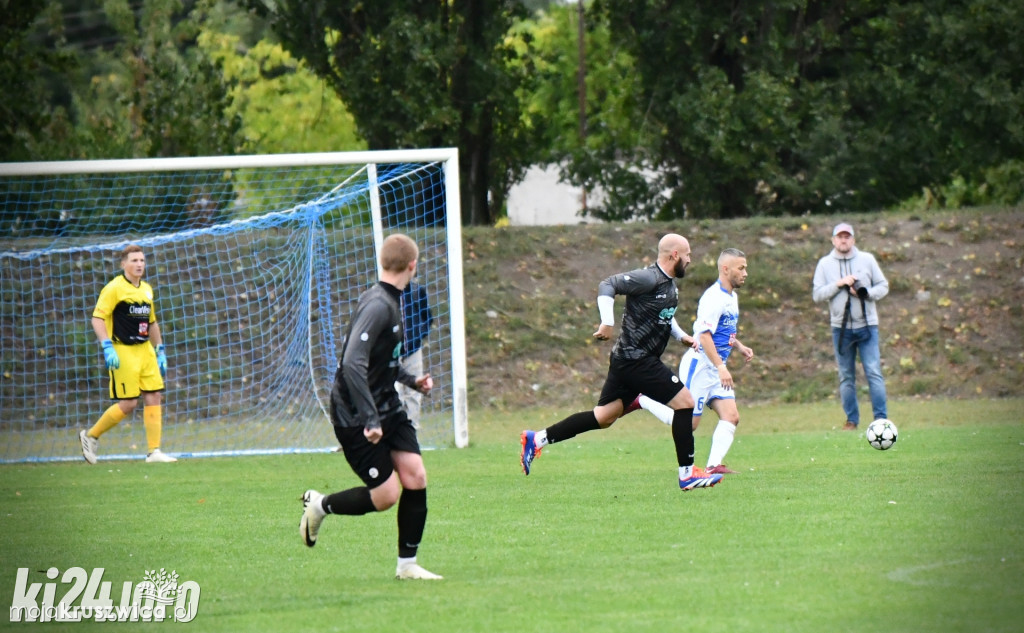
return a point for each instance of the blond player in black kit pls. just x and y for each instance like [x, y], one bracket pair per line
[376, 435]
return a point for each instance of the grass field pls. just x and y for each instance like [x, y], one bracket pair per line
[819, 532]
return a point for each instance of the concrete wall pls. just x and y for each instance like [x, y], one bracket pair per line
[541, 200]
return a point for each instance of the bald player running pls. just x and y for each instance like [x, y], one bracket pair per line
[635, 364]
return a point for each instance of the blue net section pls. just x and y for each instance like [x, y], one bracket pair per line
[255, 272]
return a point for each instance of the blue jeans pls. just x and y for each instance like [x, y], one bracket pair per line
[864, 340]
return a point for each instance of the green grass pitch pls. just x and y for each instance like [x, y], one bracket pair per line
[818, 532]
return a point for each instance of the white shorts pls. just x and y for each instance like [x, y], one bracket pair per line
[701, 378]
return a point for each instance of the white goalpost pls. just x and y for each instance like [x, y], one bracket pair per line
[255, 263]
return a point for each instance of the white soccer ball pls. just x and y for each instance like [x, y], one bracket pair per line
[882, 434]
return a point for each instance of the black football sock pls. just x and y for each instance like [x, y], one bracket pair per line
[412, 518]
[353, 502]
[682, 435]
[572, 426]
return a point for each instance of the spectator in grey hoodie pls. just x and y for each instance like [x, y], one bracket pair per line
[851, 282]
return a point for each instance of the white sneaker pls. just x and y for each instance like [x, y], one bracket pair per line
[412, 571]
[89, 446]
[159, 457]
[312, 516]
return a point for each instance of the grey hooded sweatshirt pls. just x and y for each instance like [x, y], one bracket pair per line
[833, 267]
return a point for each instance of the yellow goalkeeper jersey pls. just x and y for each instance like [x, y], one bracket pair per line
[126, 310]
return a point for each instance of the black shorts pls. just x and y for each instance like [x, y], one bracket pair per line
[372, 462]
[627, 379]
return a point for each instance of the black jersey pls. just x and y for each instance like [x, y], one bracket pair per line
[651, 300]
[364, 385]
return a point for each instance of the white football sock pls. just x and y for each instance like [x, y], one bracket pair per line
[402, 562]
[540, 438]
[661, 411]
[685, 472]
[721, 440]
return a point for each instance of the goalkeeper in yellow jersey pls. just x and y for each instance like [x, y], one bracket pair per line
[125, 324]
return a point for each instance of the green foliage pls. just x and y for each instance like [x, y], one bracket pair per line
[692, 109]
[588, 146]
[1000, 184]
[550, 45]
[33, 54]
[174, 97]
[419, 75]
[284, 107]
[721, 101]
[947, 81]
[783, 107]
[152, 93]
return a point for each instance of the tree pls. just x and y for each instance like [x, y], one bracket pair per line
[590, 152]
[282, 105]
[174, 95]
[33, 52]
[130, 83]
[777, 106]
[936, 90]
[419, 74]
[138, 87]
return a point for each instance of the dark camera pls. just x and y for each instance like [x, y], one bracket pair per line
[859, 288]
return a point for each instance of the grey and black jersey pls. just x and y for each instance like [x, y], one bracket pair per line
[364, 385]
[651, 300]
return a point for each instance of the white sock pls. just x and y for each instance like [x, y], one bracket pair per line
[540, 438]
[721, 440]
[661, 411]
[402, 562]
[685, 472]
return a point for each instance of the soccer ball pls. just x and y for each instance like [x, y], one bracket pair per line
[881, 434]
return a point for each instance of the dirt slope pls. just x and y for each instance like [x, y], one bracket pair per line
[951, 325]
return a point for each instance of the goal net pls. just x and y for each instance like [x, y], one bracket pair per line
[255, 262]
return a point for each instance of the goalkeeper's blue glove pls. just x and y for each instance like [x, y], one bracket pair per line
[109, 355]
[161, 360]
